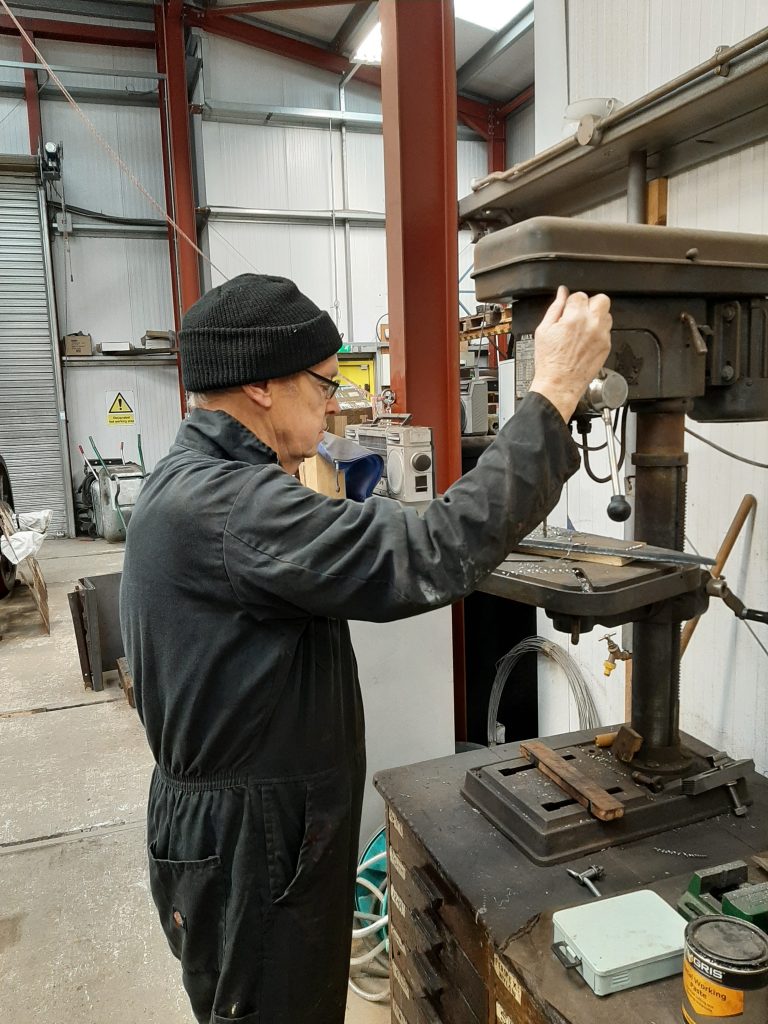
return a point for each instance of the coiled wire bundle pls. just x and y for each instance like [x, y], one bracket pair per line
[371, 920]
[585, 705]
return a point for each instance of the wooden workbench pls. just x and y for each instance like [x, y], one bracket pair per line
[471, 916]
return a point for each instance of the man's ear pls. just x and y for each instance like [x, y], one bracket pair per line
[260, 392]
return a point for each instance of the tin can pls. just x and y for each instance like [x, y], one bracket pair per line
[725, 972]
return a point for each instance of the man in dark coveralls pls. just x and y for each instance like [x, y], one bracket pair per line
[237, 587]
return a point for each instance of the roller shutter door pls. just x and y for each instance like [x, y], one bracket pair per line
[32, 429]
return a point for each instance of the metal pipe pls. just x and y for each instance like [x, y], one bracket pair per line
[748, 503]
[637, 188]
[236, 213]
[621, 113]
[60, 69]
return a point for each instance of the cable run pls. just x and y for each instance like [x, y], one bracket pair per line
[725, 451]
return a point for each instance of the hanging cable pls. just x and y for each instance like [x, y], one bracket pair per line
[725, 451]
[585, 705]
[622, 443]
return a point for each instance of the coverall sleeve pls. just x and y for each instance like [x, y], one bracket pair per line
[378, 560]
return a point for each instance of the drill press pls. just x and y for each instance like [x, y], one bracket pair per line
[690, 337]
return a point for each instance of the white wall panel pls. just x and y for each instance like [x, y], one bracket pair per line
[363, 99]
[271, 167]
[120, 287]
[91, 178]
[369, 279]
[10, 49]
[14, 127]
[236, 73]
[155, 390]
[624, 48]
[471, 162]
[521, 135]
[365, 176]
[302, 252]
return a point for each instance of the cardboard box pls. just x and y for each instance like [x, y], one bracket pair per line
[78, 345]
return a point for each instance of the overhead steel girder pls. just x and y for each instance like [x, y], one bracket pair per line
[471, 112]
[80, 32]
[354, 26]
[496, 46]
[273, 42]
[265, 6]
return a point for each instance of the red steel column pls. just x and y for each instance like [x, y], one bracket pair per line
[164, 142]
[173, 47]
[418, 93]
[181, 164]
[32, 96]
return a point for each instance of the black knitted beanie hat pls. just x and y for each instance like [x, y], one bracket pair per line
[253, 328]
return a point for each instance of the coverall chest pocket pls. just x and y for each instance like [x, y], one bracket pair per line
[190, 898]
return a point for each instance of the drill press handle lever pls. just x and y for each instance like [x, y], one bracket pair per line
[607, 392]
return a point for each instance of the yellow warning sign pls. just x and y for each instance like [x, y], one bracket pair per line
[121, 410]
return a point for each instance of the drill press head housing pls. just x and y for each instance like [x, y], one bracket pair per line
[690, 315]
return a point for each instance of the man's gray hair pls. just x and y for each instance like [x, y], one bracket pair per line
[202, 399]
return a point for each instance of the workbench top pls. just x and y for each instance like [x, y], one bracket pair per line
[513, 899]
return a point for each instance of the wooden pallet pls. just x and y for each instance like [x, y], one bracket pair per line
[126, 680]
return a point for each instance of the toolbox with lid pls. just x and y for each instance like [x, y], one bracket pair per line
[622, 942]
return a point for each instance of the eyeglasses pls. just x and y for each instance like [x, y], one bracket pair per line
[330, 386]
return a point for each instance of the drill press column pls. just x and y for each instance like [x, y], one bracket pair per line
[660, 462]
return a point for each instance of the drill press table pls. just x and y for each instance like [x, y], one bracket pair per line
[471, 915]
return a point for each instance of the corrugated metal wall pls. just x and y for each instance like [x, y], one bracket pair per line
[279, 167]
[521, 135]
[624, 48]
[152, 390]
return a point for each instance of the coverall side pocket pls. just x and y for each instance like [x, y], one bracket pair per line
[190, 898]
[284, 807]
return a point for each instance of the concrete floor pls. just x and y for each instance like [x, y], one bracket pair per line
[79, 939]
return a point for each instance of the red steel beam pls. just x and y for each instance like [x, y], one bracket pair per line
[422, 226]
[171, 29]
[515, 103]
[80, 32]
[32, 97]
[294, 49]
[272, 5]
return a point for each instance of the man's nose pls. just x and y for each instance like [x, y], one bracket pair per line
[332, 407]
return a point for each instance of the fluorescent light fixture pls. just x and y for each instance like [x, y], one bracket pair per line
[492, 14]
[369, 51]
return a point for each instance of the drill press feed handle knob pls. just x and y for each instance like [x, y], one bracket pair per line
[609, 391]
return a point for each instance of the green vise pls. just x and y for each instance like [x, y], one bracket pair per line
[725, 889]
